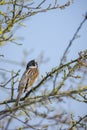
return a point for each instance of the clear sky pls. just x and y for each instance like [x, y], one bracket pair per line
[50, 33]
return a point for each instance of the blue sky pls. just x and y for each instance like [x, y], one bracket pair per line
[50, 33]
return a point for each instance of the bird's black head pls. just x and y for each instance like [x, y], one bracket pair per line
[31, 64]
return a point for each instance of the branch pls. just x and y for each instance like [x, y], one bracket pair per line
[77, 122]
[38, 99]
[70, 44]
[49, 74]
[19, 11]
[73, 38]
[10, 79]
[23, 122]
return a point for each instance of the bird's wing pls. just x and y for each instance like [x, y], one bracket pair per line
[23, 81]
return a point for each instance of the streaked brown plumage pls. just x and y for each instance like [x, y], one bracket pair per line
[30, 75]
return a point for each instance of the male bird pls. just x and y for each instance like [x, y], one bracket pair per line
[28, 78]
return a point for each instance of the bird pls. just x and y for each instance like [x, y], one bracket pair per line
[28, 78]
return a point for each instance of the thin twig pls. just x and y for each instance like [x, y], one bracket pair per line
[13, 116]
[10, 79]
[40, 4]
[44, 79]
[40, 99]
[77, 122]
[71, 41]
[69, 45]
[50, 74]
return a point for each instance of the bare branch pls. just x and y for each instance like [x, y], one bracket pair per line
[10, 79]
[73, 38]
[78, 122]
